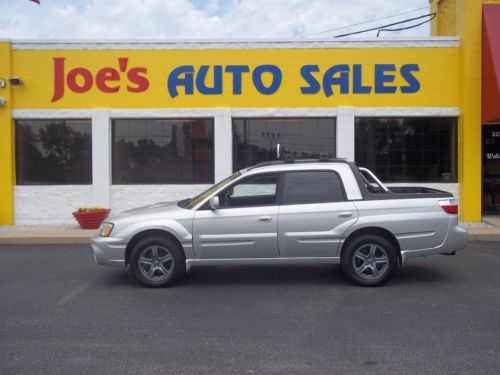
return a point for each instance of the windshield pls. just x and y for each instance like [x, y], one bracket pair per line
[192, 202]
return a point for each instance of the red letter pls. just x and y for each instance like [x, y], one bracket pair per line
[106, 75]
[87, 80]
[58, 78]
[134, 76]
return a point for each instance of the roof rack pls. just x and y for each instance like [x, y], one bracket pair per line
[290, 160]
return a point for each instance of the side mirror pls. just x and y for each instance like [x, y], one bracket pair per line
[214, 202]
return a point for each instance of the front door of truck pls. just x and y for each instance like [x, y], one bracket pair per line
[245, 225]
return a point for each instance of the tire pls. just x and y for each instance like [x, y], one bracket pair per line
[369, 260]
[157, 262]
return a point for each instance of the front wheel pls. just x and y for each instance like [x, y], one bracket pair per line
[157, 262]
[369, 260]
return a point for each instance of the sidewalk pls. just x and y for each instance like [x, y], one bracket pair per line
[41, 235]
[487, 230]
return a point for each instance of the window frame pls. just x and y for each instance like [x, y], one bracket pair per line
[342, 187]
[113, 158]
[17, 151]
[454, 162]
[234, 151]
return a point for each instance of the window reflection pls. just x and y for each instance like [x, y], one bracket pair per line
[255, 140]
[407, 149]
[53, 152]
[158, 151]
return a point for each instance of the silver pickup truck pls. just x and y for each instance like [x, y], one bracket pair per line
[285, 212]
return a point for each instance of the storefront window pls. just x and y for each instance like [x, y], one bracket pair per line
[491, 169]
[408, 149]
[158, 151]
[53, 152]
[255, 140]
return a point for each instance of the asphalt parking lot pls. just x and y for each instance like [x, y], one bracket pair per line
[62, 314]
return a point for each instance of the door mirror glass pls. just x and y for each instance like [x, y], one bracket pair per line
[214, 202]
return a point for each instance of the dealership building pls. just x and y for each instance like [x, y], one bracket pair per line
[129, 123]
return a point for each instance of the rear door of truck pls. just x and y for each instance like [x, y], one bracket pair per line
[314, 214]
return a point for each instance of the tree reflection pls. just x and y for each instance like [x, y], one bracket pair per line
[54, 152]
[175, 151]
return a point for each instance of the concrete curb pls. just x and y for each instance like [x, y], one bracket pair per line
[46, 237]
[45, 241]
[484, 237]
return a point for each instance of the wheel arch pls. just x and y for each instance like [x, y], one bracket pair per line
[147, 233]
[378, 231]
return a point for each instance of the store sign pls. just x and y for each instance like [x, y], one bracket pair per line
[265, 79]
[107, 79]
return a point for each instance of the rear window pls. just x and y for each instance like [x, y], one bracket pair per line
[312, 187]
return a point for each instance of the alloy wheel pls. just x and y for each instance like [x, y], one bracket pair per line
[370, 261]
[156, 263]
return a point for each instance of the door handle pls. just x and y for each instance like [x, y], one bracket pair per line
[345, 214]
[264, 218]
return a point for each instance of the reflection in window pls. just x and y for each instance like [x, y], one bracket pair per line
[312, 187]
[157, 151]
[259, 190]
[53, 152]
[255, 140]
[408, 149]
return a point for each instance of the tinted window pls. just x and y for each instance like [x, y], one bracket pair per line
[312, 187]
[408, 149]
[260, 190]
[255, 140]
[53, 152]
[163, 151]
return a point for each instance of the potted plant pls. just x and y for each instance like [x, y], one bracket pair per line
[91, 217]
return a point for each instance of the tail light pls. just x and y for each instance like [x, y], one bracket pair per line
[450, 206]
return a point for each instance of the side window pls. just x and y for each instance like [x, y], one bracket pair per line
[259, 190]
[312, 187]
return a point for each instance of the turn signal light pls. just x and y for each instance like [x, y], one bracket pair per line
[106, 229]
[450, 206]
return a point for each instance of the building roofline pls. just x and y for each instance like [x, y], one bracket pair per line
[310, 43]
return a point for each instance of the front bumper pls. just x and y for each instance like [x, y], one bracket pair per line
[109, 251]
[455, 240]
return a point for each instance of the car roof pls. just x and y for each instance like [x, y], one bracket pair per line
[307, 164]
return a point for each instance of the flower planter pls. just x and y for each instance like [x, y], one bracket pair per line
[92, 219]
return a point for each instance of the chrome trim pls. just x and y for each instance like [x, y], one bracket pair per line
[414, 235]
[374, 178]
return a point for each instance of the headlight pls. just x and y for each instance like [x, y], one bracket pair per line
[106, 229]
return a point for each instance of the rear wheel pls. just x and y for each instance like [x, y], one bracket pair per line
[369, 260]
[157, 262]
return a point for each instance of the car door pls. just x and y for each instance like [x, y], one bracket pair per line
[314, 214]
[245, 225]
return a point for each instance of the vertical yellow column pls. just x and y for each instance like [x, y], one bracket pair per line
[469, 27]
[464, 18]
[7, 166]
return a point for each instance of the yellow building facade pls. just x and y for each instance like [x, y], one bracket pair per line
[208, 95]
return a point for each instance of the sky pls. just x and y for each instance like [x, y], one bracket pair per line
[202, 19]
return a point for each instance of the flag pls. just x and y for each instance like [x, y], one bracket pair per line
[36, 1]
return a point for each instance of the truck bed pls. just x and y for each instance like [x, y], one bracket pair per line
[372, 191]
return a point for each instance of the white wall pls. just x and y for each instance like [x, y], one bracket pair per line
[49, 205]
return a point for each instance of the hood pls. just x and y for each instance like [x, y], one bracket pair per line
[162, 209]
